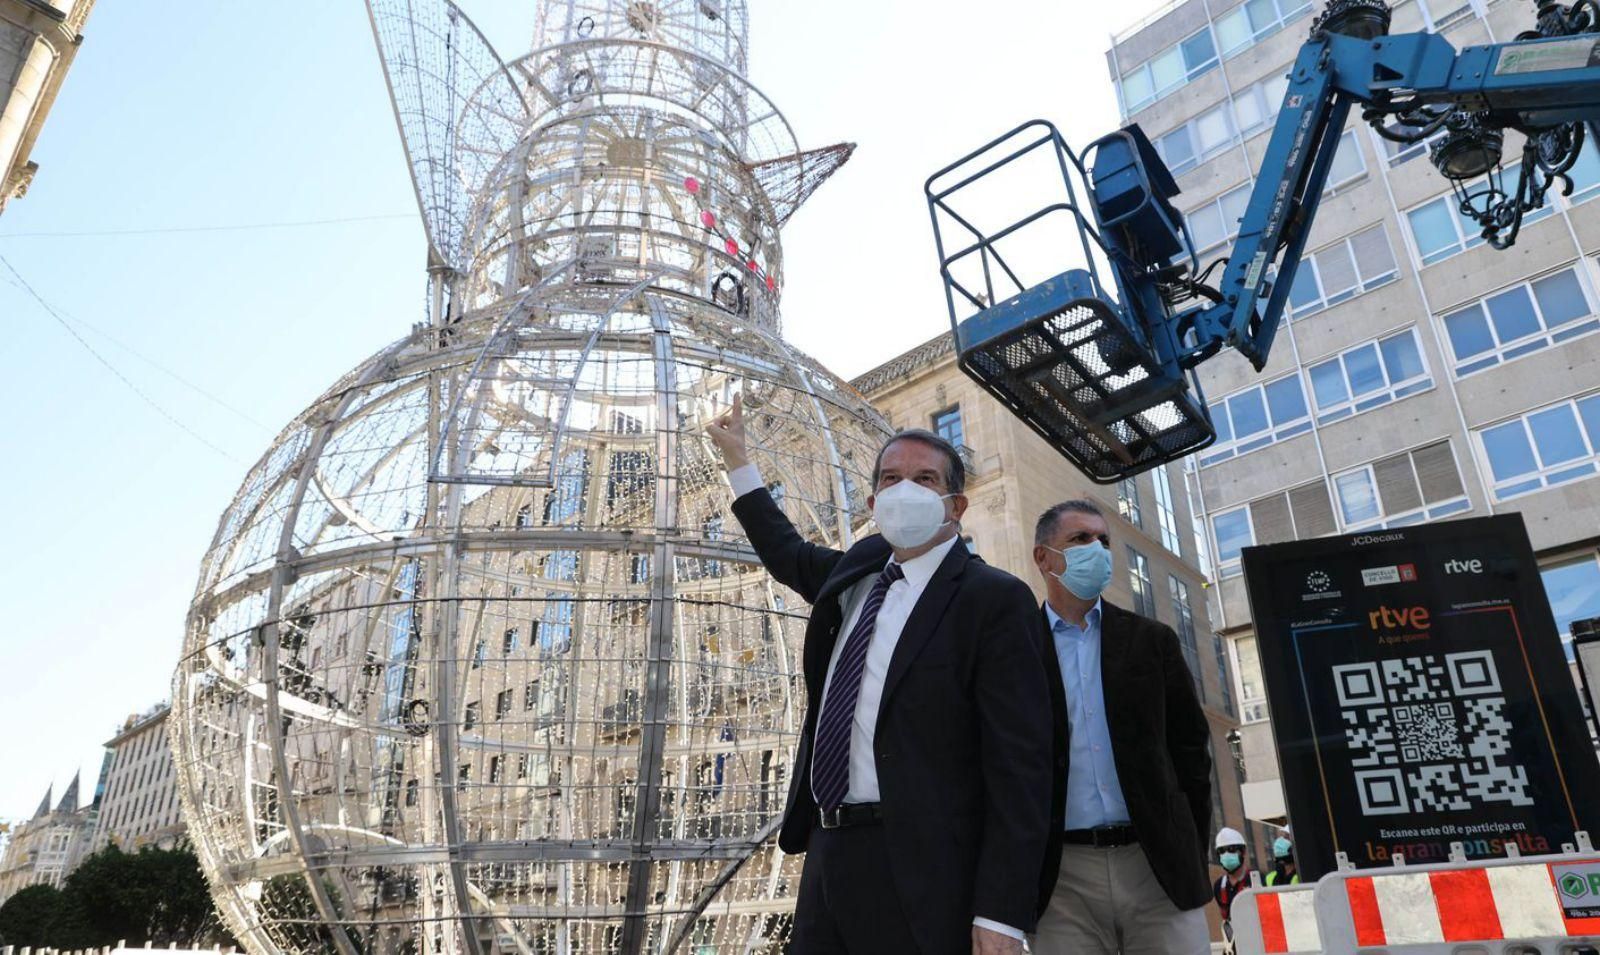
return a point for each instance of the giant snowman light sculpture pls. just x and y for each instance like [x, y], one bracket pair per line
[476, 662]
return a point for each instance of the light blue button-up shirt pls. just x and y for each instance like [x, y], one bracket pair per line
[1094, 793]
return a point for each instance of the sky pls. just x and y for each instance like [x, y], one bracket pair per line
[164, 361]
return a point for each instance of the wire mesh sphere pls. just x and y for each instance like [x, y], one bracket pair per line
[479, 660]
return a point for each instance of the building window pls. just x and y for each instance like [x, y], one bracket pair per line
[1252, 689]
[1522, 319]
[1217, 221]
[1585, 174]
[522, 765]
[1257, 417]
[1296, 514]
[1255, 20]
[1250, 111]
[1183, 623]
[1234, 534]
[1128, 501]
[555, 630]
[539, 769]
[463, 775]
[1144, 597]
[1406, 488]
[1442, 230]
[1199, 139]
[947, 425]
[508, 643]
[469, 718]
[1341, 271]
[530, 694]
[1369, 375]
[1168, 70]
[495, 763]
[639, 569]
[711, 531]
[1399, 153]
[1543, 448]
[479, 654]
[1202, 545]
[1348, 163]
[1165, 515]
[1224, 681]
[502, 704]
[1257, 106]
[1574, 591]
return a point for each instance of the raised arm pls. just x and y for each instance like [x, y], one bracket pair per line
[791, 559]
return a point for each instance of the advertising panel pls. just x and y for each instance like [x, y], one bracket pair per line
[1419, 695]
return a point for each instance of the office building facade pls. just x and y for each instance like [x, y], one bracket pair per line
[1420, 374]
[139, 806]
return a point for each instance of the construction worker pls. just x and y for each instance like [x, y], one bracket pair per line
[1235, 877]
[1283, 867]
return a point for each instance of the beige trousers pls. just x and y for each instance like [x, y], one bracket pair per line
[1107, 901]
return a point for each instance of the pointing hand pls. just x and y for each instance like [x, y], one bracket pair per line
[726, 431]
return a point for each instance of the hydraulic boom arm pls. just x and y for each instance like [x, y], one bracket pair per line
[1096, 363]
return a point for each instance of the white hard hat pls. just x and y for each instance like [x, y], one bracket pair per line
[1228, 836]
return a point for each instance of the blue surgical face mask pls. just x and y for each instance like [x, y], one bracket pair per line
[1088, 569]
[1282, 848]
[1230, 861]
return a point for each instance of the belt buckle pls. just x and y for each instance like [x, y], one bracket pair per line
[831, 819]
[1105, 836]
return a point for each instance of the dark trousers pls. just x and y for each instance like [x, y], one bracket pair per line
[847, 903]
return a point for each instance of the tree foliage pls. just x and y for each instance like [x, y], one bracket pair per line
[154, 895]
[30, 916]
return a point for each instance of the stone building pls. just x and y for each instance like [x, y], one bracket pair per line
[139, 806]
[46, 848]
[1420, 374]
[38, 40]
[1013, 476]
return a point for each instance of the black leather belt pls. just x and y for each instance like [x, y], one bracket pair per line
[1102, 837]
[851, 814]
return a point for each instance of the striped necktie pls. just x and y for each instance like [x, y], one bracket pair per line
[830, 771]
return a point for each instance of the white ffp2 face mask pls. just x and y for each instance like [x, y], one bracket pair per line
[909, 514]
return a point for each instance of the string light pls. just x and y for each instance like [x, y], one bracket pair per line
[691, 185]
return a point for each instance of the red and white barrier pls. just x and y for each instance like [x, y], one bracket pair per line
[1511, 900]
[1275, 921]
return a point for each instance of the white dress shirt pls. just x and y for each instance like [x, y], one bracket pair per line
[897, 606]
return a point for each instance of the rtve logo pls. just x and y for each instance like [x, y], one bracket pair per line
[1473, 566]
[1388, 618]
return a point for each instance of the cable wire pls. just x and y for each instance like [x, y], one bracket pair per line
[169, 230]
[110, 367]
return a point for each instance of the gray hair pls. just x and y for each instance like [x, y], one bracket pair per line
[955, 473]
[1046, 525]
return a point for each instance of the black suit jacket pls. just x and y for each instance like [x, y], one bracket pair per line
[1160, 744]
[963, 739]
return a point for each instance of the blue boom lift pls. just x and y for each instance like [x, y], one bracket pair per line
[1099, 370]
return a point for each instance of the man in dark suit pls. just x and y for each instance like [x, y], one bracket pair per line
[1126, 869]
[921, 784]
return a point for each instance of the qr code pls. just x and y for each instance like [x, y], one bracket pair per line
[1429, 733]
